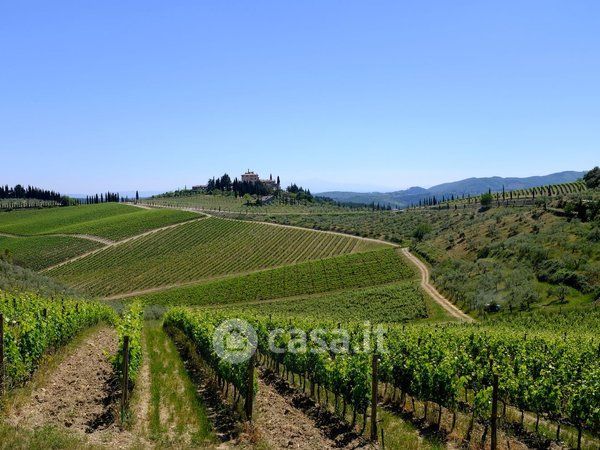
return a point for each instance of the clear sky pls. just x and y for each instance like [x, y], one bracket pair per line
[332, 94]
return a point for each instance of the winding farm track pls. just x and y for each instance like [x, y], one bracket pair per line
[446, 304]
[432, 291]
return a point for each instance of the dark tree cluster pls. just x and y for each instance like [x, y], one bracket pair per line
[220, 184]
[300, 192]
[32, 192]
[108, 197]
[242, 188]
[592, 178]
[380, 207]
[239, 188]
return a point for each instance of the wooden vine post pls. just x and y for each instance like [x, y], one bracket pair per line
[374, 389]
[125, 370]
[249, 400]
[494, 418]
[1, 354]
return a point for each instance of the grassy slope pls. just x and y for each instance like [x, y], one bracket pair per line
[110, 220]
[38, 252]
[15, 278]
[176, 417]
[207, 248]
[506, 247]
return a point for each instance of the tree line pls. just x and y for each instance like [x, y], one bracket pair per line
[108, 197]
[32, 192]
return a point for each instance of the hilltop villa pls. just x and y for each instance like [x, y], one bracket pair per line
[251, 177]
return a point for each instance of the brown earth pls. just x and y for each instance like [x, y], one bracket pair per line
[283, 426]
[287, 418]
[79, 395]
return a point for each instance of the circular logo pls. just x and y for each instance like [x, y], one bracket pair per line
[235, 341]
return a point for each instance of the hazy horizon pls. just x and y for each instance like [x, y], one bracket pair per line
[352, 188]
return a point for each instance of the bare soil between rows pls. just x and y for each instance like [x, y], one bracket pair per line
[308, 424]
[80, 395]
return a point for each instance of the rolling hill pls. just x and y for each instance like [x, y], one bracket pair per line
[468, 186]
[200, 250]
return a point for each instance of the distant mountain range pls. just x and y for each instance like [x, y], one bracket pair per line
[469, 186]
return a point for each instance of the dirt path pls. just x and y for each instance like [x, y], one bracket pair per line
[79, 395]
[123, 241]
[432, 291]
[138, 205]
[89, 237]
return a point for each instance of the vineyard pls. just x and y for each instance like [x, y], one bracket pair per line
[34, 325]
[39, 252]
[200, 329]
[230, 203]
[457, 368]
[21, 203]
[551, 190]
[311, 277]
[398, 302]
[109, 220]
[202, 249]
[128, 359]
[517, 197]
[391, 226]
[530, 377]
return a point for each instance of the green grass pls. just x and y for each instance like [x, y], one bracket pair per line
[312, 277]
[109, 220]
[38, 252]
[397, 302]
[201, 250]
[177, 417]
[43, 438]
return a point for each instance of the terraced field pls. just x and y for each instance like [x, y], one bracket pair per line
[312, 277]
[39, 252]
[199, 250]
[109, 220]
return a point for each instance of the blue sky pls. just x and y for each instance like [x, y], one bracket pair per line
[342, 94]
